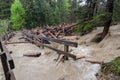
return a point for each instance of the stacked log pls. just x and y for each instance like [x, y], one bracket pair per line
[54, 31]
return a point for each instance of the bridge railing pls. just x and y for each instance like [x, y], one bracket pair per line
[7, 62]
[32, 38]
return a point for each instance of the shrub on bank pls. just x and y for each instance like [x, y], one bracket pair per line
[4, 24]
[112, 67]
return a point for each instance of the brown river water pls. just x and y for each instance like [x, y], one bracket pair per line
[46, 68]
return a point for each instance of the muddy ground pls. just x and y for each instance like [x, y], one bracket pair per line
[46, 68]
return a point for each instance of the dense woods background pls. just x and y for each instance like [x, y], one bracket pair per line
[19, 14]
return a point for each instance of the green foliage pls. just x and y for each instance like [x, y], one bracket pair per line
[112, 67]
[64, 9]
[5, 9]
[74, 5]
[80, 27]
[46, 12]
[116, 13]
[85, 27]
[39, 12]
[98, 20]
[57, 15]
[18, 15]
[4, 24]
[49, 16]
[88, 27]
[50, 12]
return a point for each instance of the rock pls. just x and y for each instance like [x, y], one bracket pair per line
[118, 48]
[10, 52]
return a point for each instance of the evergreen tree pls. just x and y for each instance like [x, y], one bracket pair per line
[116, 13]
[17, 15]
[64, 8]
[57, 15]
[5, 9]
[73, 10]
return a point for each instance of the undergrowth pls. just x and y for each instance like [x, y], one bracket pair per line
[112, 67]
[3, 26]
[96, 21]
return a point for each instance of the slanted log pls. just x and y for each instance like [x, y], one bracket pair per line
[52, 35]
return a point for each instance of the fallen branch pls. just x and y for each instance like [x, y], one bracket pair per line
[80, 57]
[95, 62]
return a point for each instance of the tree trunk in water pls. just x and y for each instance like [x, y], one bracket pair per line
[109, 9]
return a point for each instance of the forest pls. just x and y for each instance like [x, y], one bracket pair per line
[89, 14]
[91, 27]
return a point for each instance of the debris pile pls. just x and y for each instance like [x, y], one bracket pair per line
[54, 31]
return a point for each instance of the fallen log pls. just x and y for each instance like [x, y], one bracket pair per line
[42, 34]
[58, 33]
[55, 31]
[32, 54]
[53, 36]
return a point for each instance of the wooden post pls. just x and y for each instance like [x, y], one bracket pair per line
[42, 41]
[66, 49]
[7, 63]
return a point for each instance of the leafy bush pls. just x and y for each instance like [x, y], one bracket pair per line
[112, 67]
[99, 20]
[88, 27]
[80, 27]
[4, 24]
[18, 15]
[85, 27]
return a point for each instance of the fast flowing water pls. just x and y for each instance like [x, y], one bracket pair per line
[46, 68]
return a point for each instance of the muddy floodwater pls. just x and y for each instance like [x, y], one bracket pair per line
[46, 68]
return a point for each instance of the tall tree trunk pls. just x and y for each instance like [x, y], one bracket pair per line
[91, 6]
[109, 9]
[92, 9]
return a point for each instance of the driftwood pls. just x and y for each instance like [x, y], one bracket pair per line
[95, 62]
[32, 54]
[51, 34]
[80, 57]
[54, 31]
